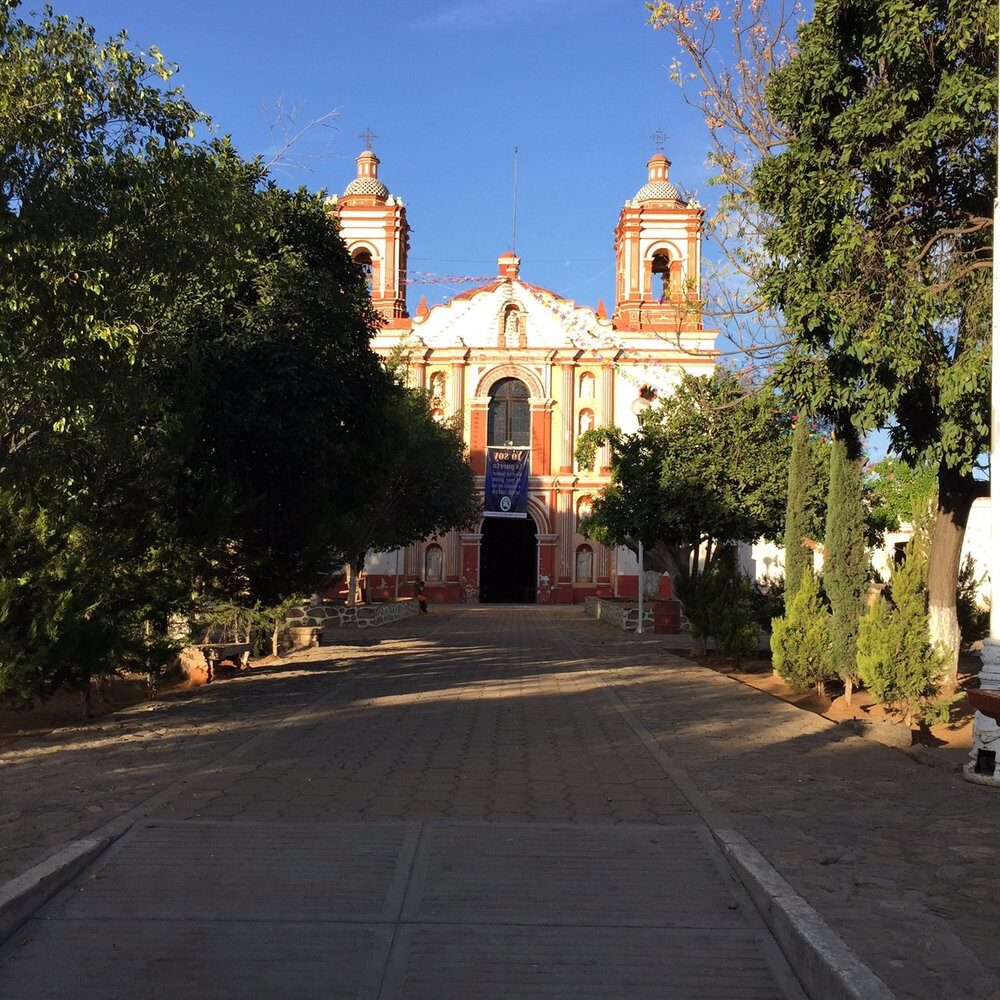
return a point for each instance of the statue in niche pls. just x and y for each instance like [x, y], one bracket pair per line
[584, 564]
[434, 563]
[512, 331]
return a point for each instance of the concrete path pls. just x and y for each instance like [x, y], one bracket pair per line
[482, 808]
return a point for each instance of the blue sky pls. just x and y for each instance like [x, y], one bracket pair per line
[450, 87]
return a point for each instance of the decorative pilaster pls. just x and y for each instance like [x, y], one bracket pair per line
[541, 437]
[470, 568]
[568, 410]
[607, 414]
[457, 388]
[479, 414]
[564, 513]
[546, 567]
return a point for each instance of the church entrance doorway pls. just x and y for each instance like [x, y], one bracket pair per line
[508, 561]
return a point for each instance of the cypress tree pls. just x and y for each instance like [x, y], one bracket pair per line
[801, 470]
[895, 659]
[800, 640]
[845, 568]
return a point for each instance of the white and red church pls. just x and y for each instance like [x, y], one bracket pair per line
[522, 366]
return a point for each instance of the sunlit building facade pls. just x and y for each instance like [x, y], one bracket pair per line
[517, 364]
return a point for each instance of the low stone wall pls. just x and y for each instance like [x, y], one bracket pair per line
[619, 614]
[360, 616]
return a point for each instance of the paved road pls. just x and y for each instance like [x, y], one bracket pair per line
[464, 804]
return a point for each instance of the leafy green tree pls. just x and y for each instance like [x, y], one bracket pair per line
[417, 481]
[706, 469]
[801, 468]
[845, 566]
[895, 657]
[880, 239]
[186, 381]
[800, 639]
[898, 492]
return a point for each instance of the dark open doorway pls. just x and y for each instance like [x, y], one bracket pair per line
[508, 561]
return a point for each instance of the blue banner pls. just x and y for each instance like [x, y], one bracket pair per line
[507, 482]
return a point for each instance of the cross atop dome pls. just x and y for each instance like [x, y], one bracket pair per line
[368, 137]
[659, 138]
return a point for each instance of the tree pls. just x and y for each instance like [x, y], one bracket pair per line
[185, 373]
[880, 246]
[727, 55]
[845, 567]
[417, 480]
[895, 657]
[800, 639]
[292, 402]
[706, 469]
[798, 559]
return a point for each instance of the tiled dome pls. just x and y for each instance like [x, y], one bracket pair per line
[367, 185]
[658, 191]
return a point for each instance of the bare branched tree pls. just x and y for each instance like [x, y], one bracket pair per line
[727, 53]
[287, 130]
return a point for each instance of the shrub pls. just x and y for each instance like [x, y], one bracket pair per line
[800, 639]
[894, 656]
[845, 569]
[731, 616]
[767, 598]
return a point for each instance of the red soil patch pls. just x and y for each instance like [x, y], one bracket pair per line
[757, 673]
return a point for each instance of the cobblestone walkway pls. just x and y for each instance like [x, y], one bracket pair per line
[503, 715]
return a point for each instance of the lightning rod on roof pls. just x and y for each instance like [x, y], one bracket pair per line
[513, 233]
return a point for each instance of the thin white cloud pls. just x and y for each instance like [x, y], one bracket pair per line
[471, 14]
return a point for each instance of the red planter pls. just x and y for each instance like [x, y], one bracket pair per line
[667, 617]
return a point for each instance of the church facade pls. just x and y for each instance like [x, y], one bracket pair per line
[519, 365]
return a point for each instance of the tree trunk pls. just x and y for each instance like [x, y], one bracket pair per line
[274, 639]
[85, 699]
[848, 689]
[955, 496]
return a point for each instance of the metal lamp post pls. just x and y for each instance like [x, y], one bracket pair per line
[642, 583]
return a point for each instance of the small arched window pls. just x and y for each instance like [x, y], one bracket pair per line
[509, 414]
[363, 259]
[433, 564]
[583, 508]
[586, 421]
[661, 276]
[584, 564]
[587, 385]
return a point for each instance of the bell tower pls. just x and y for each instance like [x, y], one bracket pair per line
[658, 256]
[374, 228]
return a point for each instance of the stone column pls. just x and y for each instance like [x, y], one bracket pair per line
[565, 516]
[568, 413]
[470, 568]
[479, 412]
[607, 414]
[457, 388]
[602, 571]
[541, 438]
[546, 567]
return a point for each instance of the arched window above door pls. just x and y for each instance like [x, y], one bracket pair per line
[509, 414]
